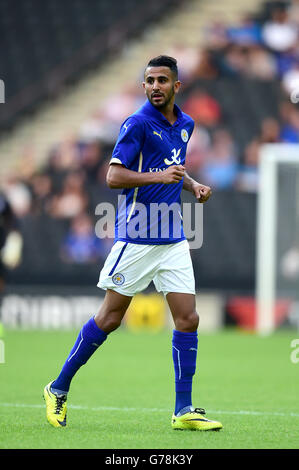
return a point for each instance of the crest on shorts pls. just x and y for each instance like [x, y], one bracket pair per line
[118, 279]
[184, 135]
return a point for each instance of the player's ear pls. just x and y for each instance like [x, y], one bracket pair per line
[143, 86]
[177, 86]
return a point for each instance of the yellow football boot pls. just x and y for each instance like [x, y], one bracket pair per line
[55, 407]
[195, 421]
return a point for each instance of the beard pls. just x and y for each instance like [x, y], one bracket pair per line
[163, 102]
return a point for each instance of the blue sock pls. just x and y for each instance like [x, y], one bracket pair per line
[184, 353]
[88, 341]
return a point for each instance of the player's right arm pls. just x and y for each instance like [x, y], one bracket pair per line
[119, 176]
[125, 154]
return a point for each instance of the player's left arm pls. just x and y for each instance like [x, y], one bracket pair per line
[200, 191]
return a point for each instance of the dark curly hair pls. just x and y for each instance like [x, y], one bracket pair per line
[165, 61]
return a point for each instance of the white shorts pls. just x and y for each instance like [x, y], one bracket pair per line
[129, 268]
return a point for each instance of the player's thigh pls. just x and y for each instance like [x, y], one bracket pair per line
[112, 310]
[183, 310]
[175, 273]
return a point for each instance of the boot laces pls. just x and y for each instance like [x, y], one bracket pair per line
[59, 404]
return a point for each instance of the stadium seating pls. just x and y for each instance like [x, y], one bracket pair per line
[226, 260]
[255, 101]
[47, 44]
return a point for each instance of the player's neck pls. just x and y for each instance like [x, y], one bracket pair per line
[168, 113]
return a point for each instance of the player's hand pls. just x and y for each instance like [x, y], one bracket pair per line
[202, 192]
[173, 174]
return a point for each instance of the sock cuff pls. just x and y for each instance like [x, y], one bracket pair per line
[184, 341]
[92, 329]
[184, 336]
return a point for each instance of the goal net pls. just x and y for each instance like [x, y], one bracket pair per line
[277, 276]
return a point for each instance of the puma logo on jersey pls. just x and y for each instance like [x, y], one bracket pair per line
[175, 157]
[157, 133]
[126, 127]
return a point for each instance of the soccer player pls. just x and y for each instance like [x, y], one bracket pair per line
[148, 163]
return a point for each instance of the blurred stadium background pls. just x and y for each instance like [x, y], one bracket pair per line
[72, 72]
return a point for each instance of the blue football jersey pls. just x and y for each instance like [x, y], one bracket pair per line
[147, 142]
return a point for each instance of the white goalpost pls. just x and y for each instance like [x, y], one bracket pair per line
[274, 159]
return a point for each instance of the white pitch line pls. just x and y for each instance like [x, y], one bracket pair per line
[150, 410]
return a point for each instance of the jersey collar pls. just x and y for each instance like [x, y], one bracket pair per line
[150, 110]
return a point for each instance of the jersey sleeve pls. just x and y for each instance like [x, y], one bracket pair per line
[192, 124]
[129, 143]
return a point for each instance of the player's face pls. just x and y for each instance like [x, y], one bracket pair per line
[160, 86]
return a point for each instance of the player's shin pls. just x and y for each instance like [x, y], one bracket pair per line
[184, 353]
[88, 341]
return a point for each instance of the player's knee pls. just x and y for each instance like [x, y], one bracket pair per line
[112, 324]
[188, 323]
[108, 322]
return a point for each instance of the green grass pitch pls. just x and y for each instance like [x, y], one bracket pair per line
[123, 397]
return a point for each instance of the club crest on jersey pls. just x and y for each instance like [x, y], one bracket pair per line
[118, 279]
[184, 135]
[175, 157]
